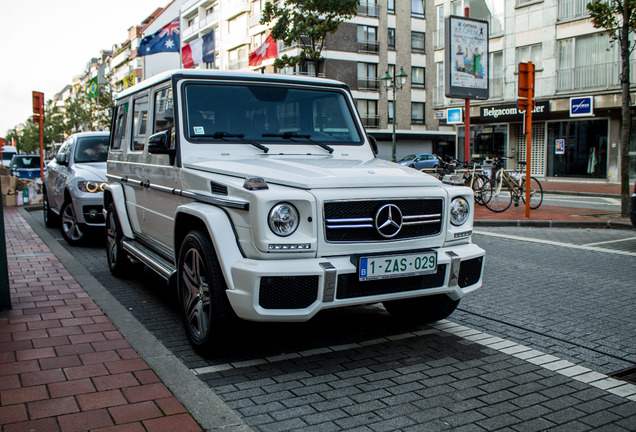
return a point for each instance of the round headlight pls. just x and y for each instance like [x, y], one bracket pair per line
[459, 211]
[283, 219]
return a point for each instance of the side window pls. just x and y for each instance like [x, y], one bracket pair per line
[140, 123]
[119, 134]
[164, 112]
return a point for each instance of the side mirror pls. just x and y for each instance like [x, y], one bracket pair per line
[61, 159]
[374, 145]
[159, 143]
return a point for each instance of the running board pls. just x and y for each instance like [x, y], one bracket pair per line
[156, 262]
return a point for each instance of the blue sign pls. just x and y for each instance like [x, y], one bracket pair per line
[454, 116]
[582, 106]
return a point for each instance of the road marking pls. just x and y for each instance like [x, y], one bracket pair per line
[547, 361]
[553, 243]
[610, 241]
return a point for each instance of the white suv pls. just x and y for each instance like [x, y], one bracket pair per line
[262, 197]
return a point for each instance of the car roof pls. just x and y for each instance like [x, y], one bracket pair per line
[85, 134]
[232, 75]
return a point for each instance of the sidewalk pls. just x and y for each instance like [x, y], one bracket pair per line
[65, 367]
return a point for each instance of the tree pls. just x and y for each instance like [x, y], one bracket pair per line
[619, 19]
[306, 23]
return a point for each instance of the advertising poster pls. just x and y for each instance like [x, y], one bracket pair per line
[466, 52]
[559, 146]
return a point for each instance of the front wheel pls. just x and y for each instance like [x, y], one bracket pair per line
[72, 231]
[206, 311]
[536, 193]
[495, 196]
[422, 310]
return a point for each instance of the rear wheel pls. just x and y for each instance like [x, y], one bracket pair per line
[536, 193]
[495, 198]
[118, 260]
[72, 231]
[50, 218]
[422, 310]
[207, 313]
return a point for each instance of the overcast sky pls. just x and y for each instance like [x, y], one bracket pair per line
[45, 43]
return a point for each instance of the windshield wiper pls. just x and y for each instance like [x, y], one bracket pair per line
[223, 135]
[292, 135]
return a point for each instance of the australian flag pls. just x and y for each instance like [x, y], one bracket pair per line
[164, 40]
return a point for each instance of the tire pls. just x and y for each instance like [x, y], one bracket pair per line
[72, 231]
[422, 310]
[119, 262]
[536, 193]
[206, 311]
[50, 218]
[496, 202]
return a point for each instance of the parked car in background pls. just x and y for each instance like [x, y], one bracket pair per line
[420, 161]
[7, 153]
[74, 182]
[632, 207]
[25, 166]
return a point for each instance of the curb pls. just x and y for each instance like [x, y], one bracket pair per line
[555, 224]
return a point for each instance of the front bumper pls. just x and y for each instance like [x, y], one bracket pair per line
[89, 208]
[296, 290]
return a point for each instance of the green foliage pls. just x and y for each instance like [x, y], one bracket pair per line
[609, 15]
[306, 23]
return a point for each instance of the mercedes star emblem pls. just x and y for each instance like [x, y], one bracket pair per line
[388, 220]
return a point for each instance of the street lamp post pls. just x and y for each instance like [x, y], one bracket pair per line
[394, 83]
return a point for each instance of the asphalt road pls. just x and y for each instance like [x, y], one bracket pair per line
[556, 303]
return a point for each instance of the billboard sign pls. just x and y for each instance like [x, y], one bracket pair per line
[582, 106]
[454, 116]
[466, 58]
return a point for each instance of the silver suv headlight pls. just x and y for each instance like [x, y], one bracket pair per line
[459, 211]
[283, 219]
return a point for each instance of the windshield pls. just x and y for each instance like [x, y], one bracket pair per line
[26, 162]
[91, 149]
[407, 158]
[268, 114]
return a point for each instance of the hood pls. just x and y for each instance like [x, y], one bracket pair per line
[90, 171]
[319, 172]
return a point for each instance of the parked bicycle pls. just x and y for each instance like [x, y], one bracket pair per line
[507, 186]
[474, 177]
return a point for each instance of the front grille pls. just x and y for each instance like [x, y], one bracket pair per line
[354, 221]
[469, 272]
[288, 292]
[350, 287]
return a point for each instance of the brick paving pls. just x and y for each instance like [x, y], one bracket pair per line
[63, 365]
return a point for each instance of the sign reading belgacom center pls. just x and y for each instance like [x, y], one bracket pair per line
[511, 113]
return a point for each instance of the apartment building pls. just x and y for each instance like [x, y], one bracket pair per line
[576, 66]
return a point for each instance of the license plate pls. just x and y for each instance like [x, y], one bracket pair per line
[393, 266]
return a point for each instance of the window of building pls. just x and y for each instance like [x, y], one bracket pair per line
[439, 35]
[391, 39]
[438, 97]
[417, 77]
[140, 123]
[368, 39]
[367, 76]
[391, 6]
[368, 110]
[390, 112]
[496, 74]
[587, 62]
[456, 8]
[417, 8]
[417, 113]
[529, 53]
[417, 41]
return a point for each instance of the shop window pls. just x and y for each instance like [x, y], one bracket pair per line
[577, 149]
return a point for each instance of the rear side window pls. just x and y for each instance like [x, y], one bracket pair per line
[119, 130]
[140, 123]
[163, 111]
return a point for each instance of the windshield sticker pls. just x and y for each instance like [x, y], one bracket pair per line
[199, 130]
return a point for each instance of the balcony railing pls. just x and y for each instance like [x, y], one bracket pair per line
[495, 25]
[238, 64]
[601, 76]
[371, 121]
[368, 84]
[368, 46]
[368, 9]
[255, 19]
[438, 95]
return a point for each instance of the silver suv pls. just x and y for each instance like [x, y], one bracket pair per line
[74, 184]
[262, 196]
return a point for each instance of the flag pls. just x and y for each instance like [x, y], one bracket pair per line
[93, 88]
[129, 80]
[266, 51]
[164, 40]
[198, 51]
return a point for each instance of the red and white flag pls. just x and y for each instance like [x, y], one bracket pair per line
[268, 50]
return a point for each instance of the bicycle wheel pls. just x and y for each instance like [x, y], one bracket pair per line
[536, 193]
[496, 197]
[478, 184]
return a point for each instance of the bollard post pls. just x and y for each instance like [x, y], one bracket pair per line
[5, 296]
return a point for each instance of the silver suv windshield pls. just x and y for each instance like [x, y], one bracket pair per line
[268, 114]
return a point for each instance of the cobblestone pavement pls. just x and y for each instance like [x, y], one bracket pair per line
[532, 350]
